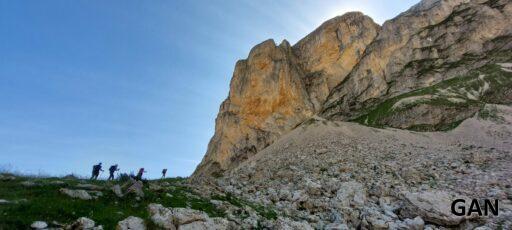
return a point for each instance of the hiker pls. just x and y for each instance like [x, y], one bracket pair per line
[112, 170]
[164, 171]
[96, 171]
[139, 174]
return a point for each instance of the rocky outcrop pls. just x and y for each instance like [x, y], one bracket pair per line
[349, 67]
[184, 218]
[434, 207]
[278, 87]
[267, 98]
[433, 41]
[329, 53]
[369, 178]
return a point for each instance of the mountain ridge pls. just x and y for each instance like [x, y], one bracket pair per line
[349, 65]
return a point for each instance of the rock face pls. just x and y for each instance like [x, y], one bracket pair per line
[433, 41]
[267, 98]
[329, 53]
[352, 69]
[278, 87]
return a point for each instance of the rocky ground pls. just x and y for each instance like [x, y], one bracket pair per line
[322, 175]
[71, 203]
[341, 175]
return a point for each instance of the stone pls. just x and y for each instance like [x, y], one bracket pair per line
[155, 187]
[351, 192]
[117, 190]
[415, 224]
[135, 187]
[3, 201]
[7, 177]
[434, 207]
[28, 183]
[84, 223]
[313, 188]
[288, 224]
[131, 222]
[336, 226]
[187, 215]
[161, 216]
[89, 186]
[39, 225]
[209, 224]
[76, 193]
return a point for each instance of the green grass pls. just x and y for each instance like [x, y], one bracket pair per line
[44, 202]
[498, 81]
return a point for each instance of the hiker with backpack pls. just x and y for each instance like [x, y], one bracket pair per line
[164, 171]
[96, 171]
[139, 174]
[112, 170]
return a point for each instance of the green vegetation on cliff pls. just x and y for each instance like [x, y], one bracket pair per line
[491, 83]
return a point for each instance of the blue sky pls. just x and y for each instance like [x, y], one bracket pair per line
[137, 83]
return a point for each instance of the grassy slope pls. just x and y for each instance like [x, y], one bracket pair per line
[45, 203]
[497, 79]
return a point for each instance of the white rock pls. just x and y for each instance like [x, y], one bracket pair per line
[186, 215]
[76, 193]
[39, 225]
[415, 224]
[434, 207]
[288, 224]
[131, 223]
[210, 224]
[351, 191]
[161, 216]
[117, 190]
[136, 188]
[85, 223]
[336, 226]
[28, 183]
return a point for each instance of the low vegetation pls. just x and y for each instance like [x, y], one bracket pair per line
[487, 84]
[43, 201]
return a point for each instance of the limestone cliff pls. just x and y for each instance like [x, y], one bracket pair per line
[352, 69]
[267, 98]
[432, 42]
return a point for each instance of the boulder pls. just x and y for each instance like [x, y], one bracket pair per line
[135, 187]
[131, 222]
[433, 207]
[183, 216]
[84, 223]
[117, 190]
[28, 183]
[283, 223]
[7, 177]
[351, 192]
[39, 225]
[209, 224]
[161, 216]
[76, 193]
[415, 224]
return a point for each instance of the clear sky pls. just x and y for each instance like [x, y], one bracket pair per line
[137, 83]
